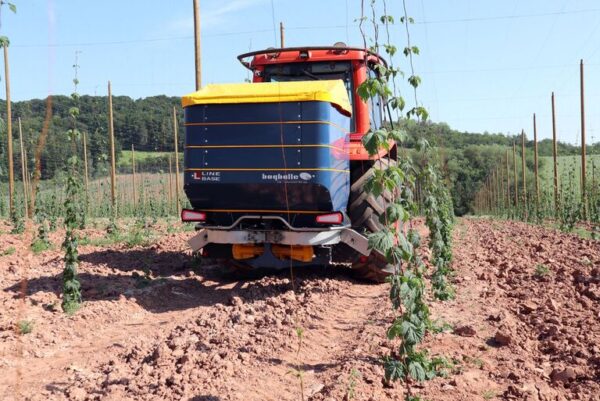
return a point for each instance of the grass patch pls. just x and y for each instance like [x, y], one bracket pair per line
[583, 233]
[541, 270]
[564, 164]
[24, 327]
[137, 237]
[489, 394]
[140, 157]
[39, 246]
[8, 251]
[102, 241]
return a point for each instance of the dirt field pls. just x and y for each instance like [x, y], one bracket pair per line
[525, 325]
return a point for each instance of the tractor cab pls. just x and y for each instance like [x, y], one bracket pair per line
[351, 65]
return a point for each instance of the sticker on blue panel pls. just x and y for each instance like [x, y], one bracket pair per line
[287, 177]
[207, 176]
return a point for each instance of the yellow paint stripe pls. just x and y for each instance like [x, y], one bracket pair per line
[268, 169]
[261, 146]
[262, 211]
[267, 123]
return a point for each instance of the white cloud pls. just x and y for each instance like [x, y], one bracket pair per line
[210, 16]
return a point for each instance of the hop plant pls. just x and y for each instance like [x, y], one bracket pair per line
[43, 232]
[71, 287]
[72, 207]
[17, 220]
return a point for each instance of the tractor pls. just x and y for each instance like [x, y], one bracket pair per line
[275, 168]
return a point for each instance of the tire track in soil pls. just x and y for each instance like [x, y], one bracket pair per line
[327, 337]
[243, 349]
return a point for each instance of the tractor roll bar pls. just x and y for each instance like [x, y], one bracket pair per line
[336, 49]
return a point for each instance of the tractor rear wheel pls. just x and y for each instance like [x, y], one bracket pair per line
[364, 210]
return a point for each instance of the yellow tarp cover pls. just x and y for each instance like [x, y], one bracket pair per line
[333, 92]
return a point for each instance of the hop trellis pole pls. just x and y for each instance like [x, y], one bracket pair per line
[11, 174]
[536, 167]
[111, 131]
[554, 155]
[175, 128]
[523, 168]
[583, 150]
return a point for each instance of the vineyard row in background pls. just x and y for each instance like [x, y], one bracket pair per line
[569, 197]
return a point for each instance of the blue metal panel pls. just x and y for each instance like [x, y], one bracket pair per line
[234, 159]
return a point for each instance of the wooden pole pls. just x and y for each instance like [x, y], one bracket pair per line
[515, 177]
[282, 34]
[197, 45]
[143, 191]
[501, 185]
[170, 181]
[495, 190]
[492, 194]
[535, 157]
[499, 197]
[507, 179]
[491, 191]
[176, 160]
[554, 155]
[133, 173]
[111, 131]
[523, 167]
[29, 187]
[583, 166]
[11, 173]
[85, 168]
[23, 175]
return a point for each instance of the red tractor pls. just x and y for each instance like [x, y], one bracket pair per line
[275, 169]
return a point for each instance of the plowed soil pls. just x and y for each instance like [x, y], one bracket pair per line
[525, 325]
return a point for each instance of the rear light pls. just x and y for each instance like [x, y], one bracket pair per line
[331, 218]
[192, 215]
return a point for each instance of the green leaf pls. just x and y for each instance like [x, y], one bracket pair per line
[405, 247]
[12, 7]
[414, 238]
[381, 240]
[393, 213]
[414, 80]
[397, 103]
[395, 330]
[394, 370]
[411, 333]
[422, 145]
[386, 19]
[416, 371]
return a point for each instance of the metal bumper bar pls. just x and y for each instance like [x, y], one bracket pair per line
[315, 238]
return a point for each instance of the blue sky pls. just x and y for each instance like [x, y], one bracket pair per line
[486, 65]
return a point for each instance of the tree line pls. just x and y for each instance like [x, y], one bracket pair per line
[146, 123]
[467, 158]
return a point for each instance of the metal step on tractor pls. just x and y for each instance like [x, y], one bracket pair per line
[275, 169]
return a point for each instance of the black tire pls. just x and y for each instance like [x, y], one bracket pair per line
[364, 210]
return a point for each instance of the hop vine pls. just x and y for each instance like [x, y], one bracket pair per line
[73, 211]
[398, 240]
